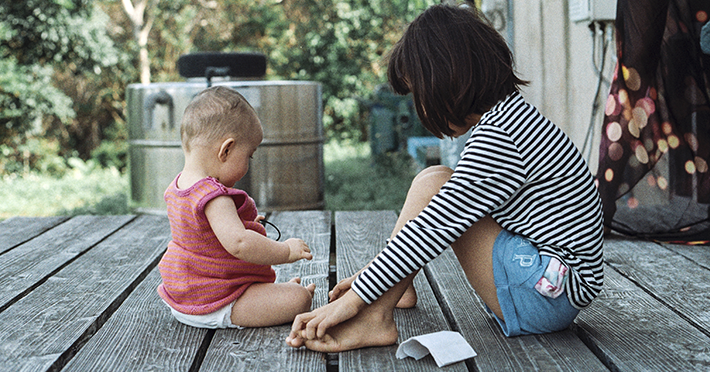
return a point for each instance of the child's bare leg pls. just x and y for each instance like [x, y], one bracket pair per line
[424, 186]
[358, 332]
[474, 250]
[269, 304]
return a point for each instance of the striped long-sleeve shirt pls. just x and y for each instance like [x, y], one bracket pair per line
[199, 275]
[523, 171]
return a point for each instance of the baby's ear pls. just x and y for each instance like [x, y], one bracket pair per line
[226, 147]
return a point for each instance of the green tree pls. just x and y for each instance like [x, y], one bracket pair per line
[339, 43]
[42, 41]
[65, 64]
[342, 44]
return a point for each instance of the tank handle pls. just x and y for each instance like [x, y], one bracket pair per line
[211, 72]
[160, 97]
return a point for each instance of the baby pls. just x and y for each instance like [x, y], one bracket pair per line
[216, 271]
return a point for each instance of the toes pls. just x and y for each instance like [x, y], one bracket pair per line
[294, 341]
[327, 344]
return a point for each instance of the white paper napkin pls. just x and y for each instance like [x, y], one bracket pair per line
[445, 346]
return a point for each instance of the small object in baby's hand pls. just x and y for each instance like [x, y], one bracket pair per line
[445, 347]
[265, 222]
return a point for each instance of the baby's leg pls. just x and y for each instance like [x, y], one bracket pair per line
[269, 304]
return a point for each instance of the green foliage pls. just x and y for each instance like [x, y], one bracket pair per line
[65, 65]
[356, 181]
[342, 44]
[339, 43]
[26, 94]
[34, 154]
[52, 55]
[46, 32]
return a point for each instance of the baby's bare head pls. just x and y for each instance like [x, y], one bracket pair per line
[215, 113]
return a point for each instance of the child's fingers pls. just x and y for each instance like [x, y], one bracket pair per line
[312, 328]
[299, 323]
[334, 294]
[340, 288]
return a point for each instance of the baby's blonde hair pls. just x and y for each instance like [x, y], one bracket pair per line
[213, 114]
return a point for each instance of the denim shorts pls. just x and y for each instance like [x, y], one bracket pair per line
[517, 267]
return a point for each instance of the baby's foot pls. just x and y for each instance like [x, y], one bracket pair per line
[311, 287]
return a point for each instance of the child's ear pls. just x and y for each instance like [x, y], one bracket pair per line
[226, 147]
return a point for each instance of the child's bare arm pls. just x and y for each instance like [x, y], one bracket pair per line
[249, 245]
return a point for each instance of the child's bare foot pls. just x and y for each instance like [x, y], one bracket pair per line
[366, 329]
[408, 299]
[311, 287]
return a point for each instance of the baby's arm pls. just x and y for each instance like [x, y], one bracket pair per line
[249, 245]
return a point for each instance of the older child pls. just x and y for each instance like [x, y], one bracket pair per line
[520, 209]
[216, 271]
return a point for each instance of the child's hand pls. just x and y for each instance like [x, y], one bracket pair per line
[259, 219]
[298, 249]
[342, 287]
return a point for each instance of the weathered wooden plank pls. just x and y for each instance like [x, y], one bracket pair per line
[141, 335]
[44, 329]
[699, 254]
[560, 351]
[264, 349]
[29, 264]
[17, 230]
[680, 283]
[632, 331]
[360, 236]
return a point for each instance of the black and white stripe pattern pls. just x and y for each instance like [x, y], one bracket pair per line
[527, 174]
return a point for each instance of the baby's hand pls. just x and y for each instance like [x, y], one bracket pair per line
[259, 219]
[298, 249]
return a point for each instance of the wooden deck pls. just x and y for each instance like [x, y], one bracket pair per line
[78, 294]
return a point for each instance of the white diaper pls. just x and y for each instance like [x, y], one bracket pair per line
[221, 318]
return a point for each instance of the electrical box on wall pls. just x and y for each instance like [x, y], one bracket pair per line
[592, 10]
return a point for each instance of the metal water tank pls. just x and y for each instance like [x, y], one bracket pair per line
[286, 172]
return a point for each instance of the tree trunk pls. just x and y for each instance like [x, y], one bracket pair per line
[141, 29]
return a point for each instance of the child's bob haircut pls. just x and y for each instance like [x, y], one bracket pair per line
[455, 64]
[214, 113]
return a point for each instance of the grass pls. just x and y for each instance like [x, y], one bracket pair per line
[354, 180]
[95, 191]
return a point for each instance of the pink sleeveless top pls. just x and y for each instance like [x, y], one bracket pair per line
[199, 275]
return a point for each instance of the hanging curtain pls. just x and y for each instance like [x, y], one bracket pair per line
[655, 149]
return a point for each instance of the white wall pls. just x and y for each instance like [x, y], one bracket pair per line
[555, 54]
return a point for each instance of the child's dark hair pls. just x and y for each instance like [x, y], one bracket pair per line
[455, 64]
